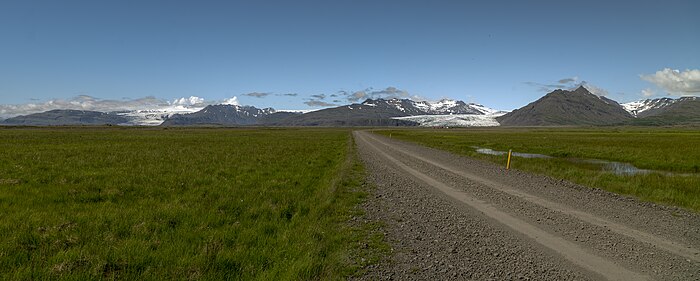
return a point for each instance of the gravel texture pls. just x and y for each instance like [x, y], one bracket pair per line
[435, 236]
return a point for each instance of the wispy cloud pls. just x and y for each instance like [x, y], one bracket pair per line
[569, 83]
[648, 93]
[291, 95]
[318, 103]
[598, 91]
[676, 82]
[370, 93]
[568, 80]
[257, 94]
[564, 83]
[356, 96]
[318, 100]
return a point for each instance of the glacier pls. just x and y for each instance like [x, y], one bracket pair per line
[455, 120]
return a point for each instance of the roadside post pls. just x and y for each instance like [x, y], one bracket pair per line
[508, 164]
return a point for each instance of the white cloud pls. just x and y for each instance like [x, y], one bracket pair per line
[598, 91]
[192, 100]
[231, 101]
[676, 82]
[648, 93]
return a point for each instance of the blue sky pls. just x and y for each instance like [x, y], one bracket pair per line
[503, 54]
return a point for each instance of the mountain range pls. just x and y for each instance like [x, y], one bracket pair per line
[66, 117]
[578, 107]
[384, 112]
[229, 115]
[665, 111]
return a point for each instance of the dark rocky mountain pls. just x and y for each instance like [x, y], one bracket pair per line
[667, 111]
[565, 108]
[350, 115]
[368, 113]
[65, 117]
[229, 115]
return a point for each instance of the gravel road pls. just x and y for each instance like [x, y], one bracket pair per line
[450, 217]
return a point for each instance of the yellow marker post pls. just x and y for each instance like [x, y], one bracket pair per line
[508, 164]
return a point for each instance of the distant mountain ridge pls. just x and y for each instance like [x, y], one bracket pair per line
[643, 107]
[382, 112]
[66, 117]
[441, 107]
[650, 107]
[567, 108]
[577, 107]
[228, 115]
[371, 112]
[665, 111]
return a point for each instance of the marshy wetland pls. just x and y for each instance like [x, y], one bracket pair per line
[654, 164]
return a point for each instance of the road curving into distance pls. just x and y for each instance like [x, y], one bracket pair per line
[452, 217]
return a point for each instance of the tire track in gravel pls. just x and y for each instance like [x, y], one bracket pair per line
[568, 250]
[674, 247]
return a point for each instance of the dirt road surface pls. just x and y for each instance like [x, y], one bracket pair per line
[449, 217]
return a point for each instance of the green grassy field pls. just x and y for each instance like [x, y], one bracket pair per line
[670, 150]
[210, 204]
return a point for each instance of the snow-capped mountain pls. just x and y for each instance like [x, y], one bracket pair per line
[446, 106]
[441, 107]
[452, 113]
[384, 112]
[665, 111]
[228, 114]
[637, 108]
[648, 107]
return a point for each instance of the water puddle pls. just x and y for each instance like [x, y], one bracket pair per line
[517, 154]
[618, 168]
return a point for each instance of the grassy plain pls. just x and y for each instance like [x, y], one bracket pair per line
[669, 150]
[154, 204]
